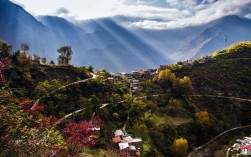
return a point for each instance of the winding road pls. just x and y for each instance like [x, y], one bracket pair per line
[71, 84]
[215, 96]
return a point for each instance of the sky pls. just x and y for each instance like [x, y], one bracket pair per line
[154, 14]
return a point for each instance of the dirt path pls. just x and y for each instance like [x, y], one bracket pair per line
[63, 87]
[224, 97]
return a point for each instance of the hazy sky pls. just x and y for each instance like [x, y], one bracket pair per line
[156, 13]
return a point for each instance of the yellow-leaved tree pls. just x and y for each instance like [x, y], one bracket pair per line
[182, 85]
[180, 147]
[203, 118]
[165, 74]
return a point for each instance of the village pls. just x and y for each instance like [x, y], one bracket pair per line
[242, 147]
[126, 145]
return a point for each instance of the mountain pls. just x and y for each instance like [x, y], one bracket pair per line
[109, 43]
[212, 37]
[18, 26]
[193, 41]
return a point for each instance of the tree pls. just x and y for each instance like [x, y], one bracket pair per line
[165, 74]
[5, 49]
[180, 147]
[203, 118]
[65, 55]
[24, 47]
[26, 132]
[181, 85]
[44, 60]
[52, 63]
[36, 57]
[90, 68]
[79, 133]
[23, 59]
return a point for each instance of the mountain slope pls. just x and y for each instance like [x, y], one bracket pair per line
[122, 46]
[228, 73]
[212, 38]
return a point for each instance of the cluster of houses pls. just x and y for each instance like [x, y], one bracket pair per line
[188, 63]
[127, 145]
[240, 148]
[134, 82]
[134, 78]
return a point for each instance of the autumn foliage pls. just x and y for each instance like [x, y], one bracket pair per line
[25, 131]
[180, 147]
[180, 85]
[4, 63]
[203, 118]
[25, 134]
[28, 106]
[79, 133]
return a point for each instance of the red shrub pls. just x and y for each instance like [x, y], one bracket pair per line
[79, 133]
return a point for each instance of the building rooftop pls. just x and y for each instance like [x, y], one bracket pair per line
[116, 139]
[118, 133]
[123, 146]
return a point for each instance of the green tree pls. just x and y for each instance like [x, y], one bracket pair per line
[24, 47]
[182, 85]
[65, 55]
[36, 57]
[52, 63]
[43, 60]
[90, 68]
[23, 59]
[5, 49]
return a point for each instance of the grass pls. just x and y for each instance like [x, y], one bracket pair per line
[160, 120]
[146, 147]
[98, 153]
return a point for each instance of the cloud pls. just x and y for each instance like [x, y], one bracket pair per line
[157, 14]
[61, 11]
[190, 12]
[155, 3]
[18, 3]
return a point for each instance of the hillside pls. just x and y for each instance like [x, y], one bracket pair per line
[226, 73]
[172, 113]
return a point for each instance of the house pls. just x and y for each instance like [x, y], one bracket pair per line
[147, 72]
[123, 145]
[95, 133]
[128, 146]
[127, 138]
[110, 79]
[118, 133]
[240, 148]
[132, 150]
[136, 142]
[116, 139]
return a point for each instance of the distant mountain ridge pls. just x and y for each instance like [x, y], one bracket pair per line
[106, 44]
